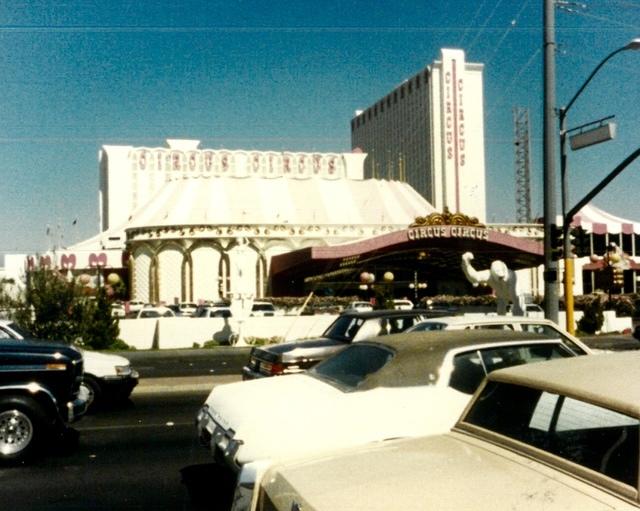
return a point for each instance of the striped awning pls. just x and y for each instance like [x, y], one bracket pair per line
[597, 221]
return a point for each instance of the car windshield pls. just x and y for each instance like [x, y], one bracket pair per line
[349, 368]
[20, 331]
[592, 436]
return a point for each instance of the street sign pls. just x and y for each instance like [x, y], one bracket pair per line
[593, 136]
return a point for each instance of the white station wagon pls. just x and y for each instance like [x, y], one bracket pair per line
[557, 436]
[392, 386]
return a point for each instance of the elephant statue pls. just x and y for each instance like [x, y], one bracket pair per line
[502, 280]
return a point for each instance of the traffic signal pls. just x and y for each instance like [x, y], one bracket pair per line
[618, 276]
[580, 242]
[557, 241]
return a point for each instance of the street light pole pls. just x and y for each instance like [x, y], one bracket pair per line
[550, 266]
[566, 221]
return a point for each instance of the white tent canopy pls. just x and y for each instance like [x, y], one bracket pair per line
[251, 200]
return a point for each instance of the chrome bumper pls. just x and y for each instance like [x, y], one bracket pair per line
[220, 441]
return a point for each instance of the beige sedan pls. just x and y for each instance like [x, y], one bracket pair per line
[559, 435]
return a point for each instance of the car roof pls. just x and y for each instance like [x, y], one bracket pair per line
[485, 318]
[610, 380]
[385, 313]
[419, 355]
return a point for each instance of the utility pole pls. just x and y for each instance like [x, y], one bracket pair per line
[549, 170]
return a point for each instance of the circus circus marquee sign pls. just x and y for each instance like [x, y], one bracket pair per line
[447, 225]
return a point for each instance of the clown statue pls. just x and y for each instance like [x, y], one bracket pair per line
[502, 280]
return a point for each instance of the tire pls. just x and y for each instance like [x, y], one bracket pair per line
[94, 391]
[22, 428]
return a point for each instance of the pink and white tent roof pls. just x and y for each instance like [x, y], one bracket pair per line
[597, 221]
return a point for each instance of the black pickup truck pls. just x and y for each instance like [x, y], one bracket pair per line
[39, 395]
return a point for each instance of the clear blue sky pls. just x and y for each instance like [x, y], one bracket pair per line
[77, 74]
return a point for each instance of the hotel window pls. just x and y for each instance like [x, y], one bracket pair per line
[395, 96]
[388, 101]
[418, 82]
[409, 87]
[375, 110]
[369, 113]
[353, 125]
[382, 106]
[401, 91]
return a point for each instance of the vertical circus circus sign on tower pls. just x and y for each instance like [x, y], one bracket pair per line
[453, 120]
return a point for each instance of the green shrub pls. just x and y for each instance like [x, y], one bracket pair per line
[120, 345]
[261, 341]
[593, 317]
[55, 308]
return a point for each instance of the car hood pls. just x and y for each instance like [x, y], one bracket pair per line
[102, 364]
[33, 345]
[441, 472]
[290, 416]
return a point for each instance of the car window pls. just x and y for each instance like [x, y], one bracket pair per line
[351, 366]
[263, 307]
[371, 328]
[468, 372]
[497, 326]
[470, 368]
[595, 437]
[344, 328]
[552, 332]
[428, 327]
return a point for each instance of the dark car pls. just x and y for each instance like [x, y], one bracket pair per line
[350, 326]
[39, 395]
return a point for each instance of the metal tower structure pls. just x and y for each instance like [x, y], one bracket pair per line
[523, 164]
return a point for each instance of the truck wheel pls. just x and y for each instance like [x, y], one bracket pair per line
[21, 428]
[94, 392]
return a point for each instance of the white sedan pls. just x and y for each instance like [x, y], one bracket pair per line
[393, 386]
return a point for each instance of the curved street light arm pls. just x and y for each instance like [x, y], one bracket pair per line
[634, 44]
[614, 173]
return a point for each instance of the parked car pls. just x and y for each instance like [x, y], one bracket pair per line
[555, 436]
[155, 312]
[263, 309]
[40, 395]
[187, 308]
[389, 387]
[213, 311]
[359, 306]
[350, 326]
[135, 306]
[495, 322]
[402, 304]
[532, 310]
[117, 310]
[107, 377]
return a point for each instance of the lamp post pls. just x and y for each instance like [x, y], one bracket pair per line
[415, 285]
[566, 222]
[549, 164]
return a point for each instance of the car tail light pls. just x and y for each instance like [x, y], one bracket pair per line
[272, 369]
